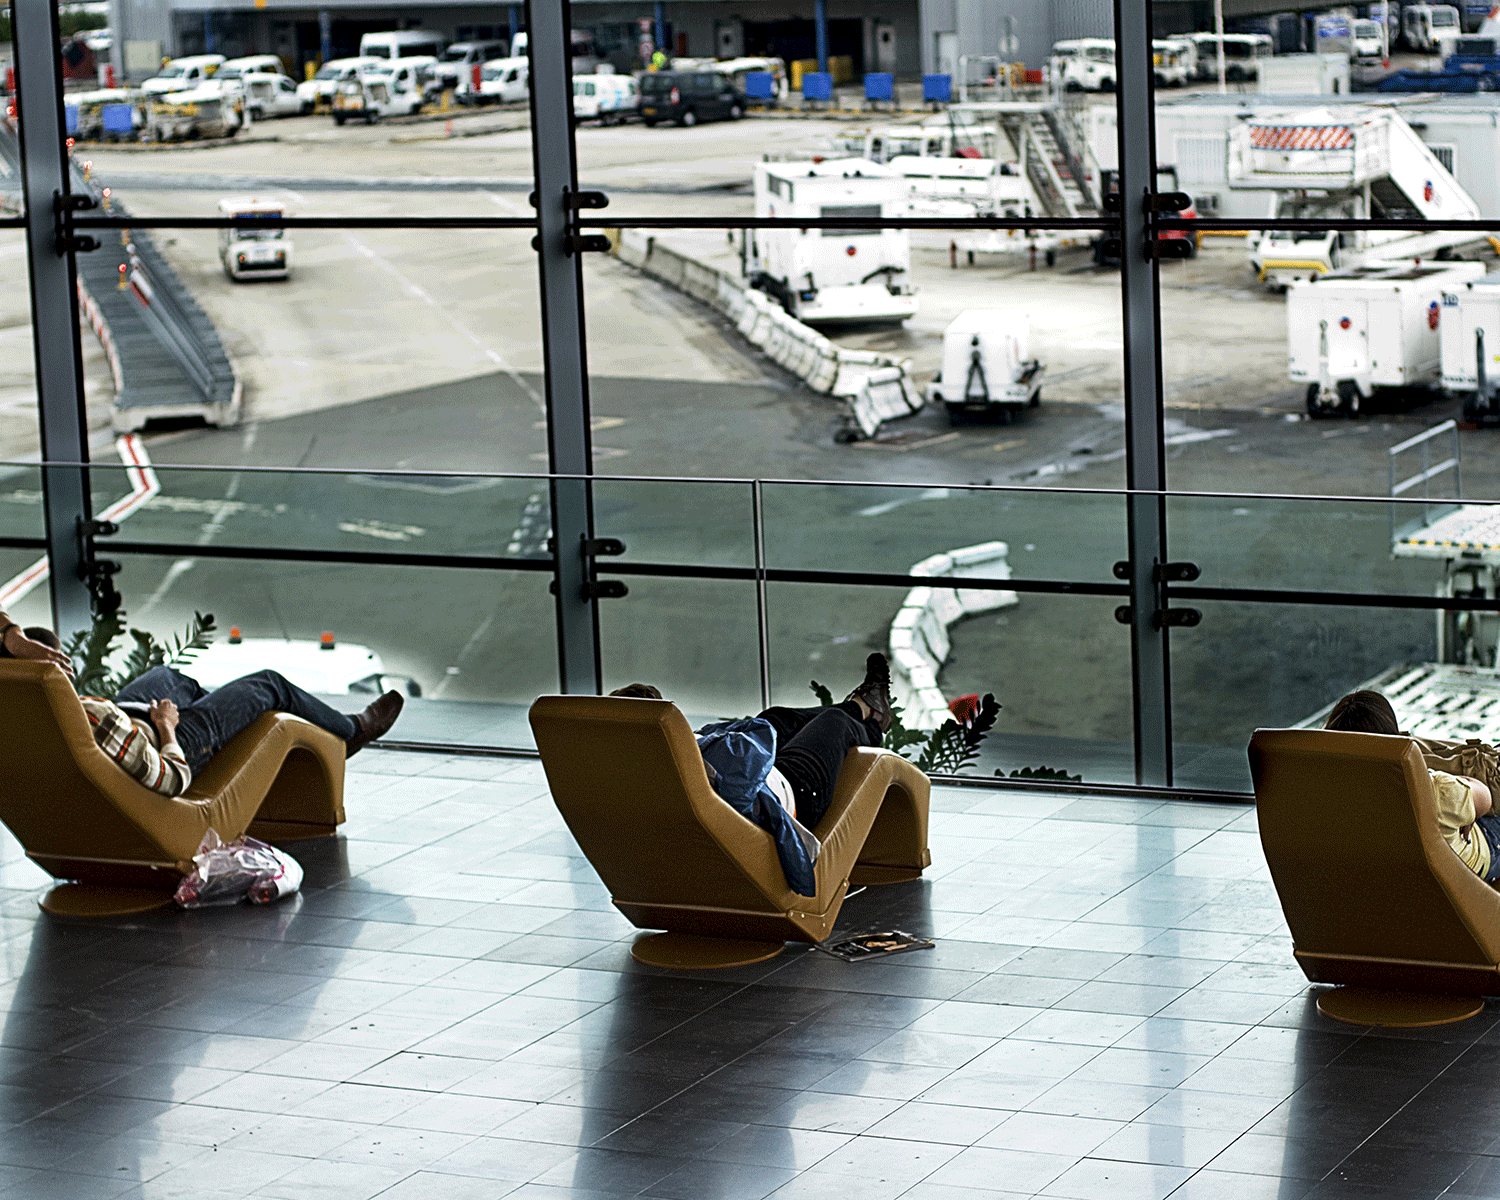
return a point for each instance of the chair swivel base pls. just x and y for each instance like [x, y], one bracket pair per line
[98, 900]
[688, 952]
[1397, 1010]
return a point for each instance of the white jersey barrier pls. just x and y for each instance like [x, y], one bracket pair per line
[875, 385]
[919, 643]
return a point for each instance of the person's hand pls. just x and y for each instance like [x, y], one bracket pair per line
[163, 714]
[21, 646]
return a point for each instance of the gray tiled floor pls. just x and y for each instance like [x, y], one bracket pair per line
[449, 1010]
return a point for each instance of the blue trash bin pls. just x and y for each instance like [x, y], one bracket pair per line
[937, 88]
[760, 86]
[70, 116]
[817, 85]
[119, 119]
[880, 87]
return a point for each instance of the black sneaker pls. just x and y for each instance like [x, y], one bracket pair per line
[875, 691]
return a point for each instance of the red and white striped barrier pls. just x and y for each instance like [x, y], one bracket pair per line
[143, 486]
[100, 327]
[1301, 137]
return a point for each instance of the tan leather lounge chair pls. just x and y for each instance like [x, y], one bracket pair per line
[629, 780]
[1375, 898]
[80, 817]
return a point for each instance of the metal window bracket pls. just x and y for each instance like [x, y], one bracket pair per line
[64, 239]
[1162, 574]
[607, 547]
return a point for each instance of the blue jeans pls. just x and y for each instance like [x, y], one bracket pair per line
[209, 721]
[1489, 825]
[811, 744]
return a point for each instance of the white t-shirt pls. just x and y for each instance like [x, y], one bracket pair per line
[782, 790]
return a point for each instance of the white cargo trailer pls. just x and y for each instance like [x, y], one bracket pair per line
[987, 368]
[1353, 331]
[831, 276]
[1470, 341]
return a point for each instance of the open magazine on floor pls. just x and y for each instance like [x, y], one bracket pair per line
[861, 946]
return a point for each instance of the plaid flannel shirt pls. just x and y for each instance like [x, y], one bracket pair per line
[164, 771]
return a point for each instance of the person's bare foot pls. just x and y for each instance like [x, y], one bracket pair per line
[874, 694]
[375, 721]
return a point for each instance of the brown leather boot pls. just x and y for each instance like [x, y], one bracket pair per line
[375, 721]
[875, 691]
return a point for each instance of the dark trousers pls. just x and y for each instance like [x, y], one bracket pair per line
[811, 745]
[210, 720]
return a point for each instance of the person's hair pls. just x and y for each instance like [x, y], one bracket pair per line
[638, 691]
[37, 633]
[1363, 712]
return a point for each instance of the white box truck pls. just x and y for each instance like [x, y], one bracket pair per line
[987, 368]
[1470, 338]
[839, 275]
[1371, 327]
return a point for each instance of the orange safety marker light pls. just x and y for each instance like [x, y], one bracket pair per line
[234, 635]
[326, 642]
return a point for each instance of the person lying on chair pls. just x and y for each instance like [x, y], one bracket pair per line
[1464, 802]
[164, 727]
[779, 768]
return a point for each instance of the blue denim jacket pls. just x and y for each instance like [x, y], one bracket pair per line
[742, 753]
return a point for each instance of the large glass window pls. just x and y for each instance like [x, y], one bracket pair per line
[753, 393]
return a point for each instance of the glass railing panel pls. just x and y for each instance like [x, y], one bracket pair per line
[1059, 665]
[686, 522]
[1250, 666]
[1411, 547]
[311, 511]
[694, 639]
[1033, 534]
[477, 645]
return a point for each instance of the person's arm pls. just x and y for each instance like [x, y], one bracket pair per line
[1479, 793]
[115, 733]
[18, 645]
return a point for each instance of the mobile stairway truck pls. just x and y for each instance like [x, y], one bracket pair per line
[1356, 164]
[1372, 327]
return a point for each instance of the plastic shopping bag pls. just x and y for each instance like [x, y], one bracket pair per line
[244, 869]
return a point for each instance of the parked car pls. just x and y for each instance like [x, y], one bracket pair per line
[183, 74]
[503, 81]
[1093, 69]
[267, 92]
[456, 64]
[688, 97]
[322, 86]
[605, 98]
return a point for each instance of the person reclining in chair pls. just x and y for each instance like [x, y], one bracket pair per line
[164, 727]
[1464, 802]
[779, 768]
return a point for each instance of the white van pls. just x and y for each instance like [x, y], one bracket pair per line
[404, 43]
[321, 87]
[1062, 54]
[1427, 26]
[607, 98]
[504, 81]
[585, 60]
[1173, 62]
[1093, 70]
[456, 64]
[1242, 55]
[251, 253]
[183, 74]
[1369, 43]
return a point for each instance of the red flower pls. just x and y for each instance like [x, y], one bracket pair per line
[964, 708]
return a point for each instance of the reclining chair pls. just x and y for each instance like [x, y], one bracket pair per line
[629, 781]
[1376, 899]
[81, 818]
